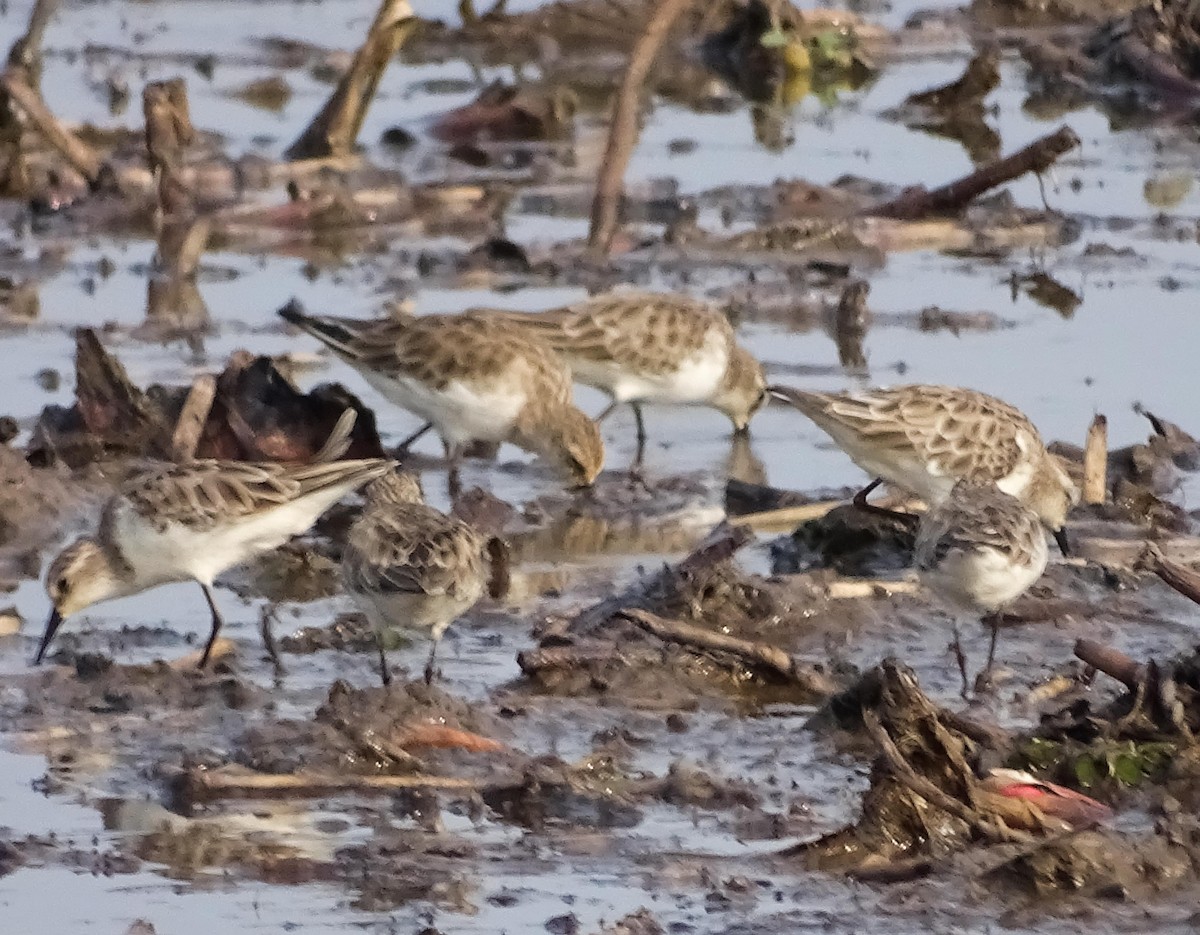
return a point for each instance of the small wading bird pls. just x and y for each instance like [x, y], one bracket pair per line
[190, 522]
[472, 380]
[978, 550]
[926, 438]
[646, 347]
[410, 566]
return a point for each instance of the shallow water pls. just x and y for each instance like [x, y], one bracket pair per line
[1131, 339]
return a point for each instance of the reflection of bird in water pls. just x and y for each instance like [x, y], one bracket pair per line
[978, 550]
[742, 464]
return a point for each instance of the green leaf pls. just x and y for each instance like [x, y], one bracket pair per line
[774, 39]
[1087, 771]
[1127, 767]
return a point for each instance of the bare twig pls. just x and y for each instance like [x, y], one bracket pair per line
[757, 655]
[335, 128]
[1095, 462]
[1037, 157]
[623, 130]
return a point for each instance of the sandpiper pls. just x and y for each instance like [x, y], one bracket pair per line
[979, 549]
[925, 438]
[473, 380]
[190, 522]
[649, 347]
[408, 565]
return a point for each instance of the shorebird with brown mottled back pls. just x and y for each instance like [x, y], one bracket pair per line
[409, 566]
[925, 439]
[190, 522]
[473, 380]
[651, 347]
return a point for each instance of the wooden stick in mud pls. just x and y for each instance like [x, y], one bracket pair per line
[193, 417]
[1037, 157]
[757, 655]
[623, 131]
[227, 782]
[169, 130]
[335, 128]
[82, 158]
[1095, 462]
[1112, 662]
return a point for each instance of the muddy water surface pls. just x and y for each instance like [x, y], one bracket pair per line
[1131, 338]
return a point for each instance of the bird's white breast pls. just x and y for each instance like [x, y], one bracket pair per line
[461, 411]
[694, 380]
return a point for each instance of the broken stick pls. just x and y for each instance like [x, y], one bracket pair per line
[22, 93]
[623, 130]
[757, 655]
[193, 417]
[227, 782]
[1095, 462]
[918, 202]
[335, 128]
[1112, 662]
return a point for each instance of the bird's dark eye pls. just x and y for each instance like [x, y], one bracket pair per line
[62, 585]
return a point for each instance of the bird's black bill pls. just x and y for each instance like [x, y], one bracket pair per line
[51, 628]
[1060, 536]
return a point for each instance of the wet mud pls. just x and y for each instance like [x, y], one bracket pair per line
[705, 697]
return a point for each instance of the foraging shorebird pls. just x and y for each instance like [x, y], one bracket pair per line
[978, 550]
[472, 380]
[190, 522]
[648, 347]
[410, 566]
[926, 438]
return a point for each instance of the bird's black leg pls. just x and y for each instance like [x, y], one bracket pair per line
[217, 623]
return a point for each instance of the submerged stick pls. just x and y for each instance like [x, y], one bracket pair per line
[1037, 157]
[1095, 462]
[335, 128]
[623, 130]
[757, 655]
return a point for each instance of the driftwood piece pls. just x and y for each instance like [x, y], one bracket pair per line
[169, 130]
[757, 655]
[623, 129]
[335, 128]
[1037, 157]
[1095, 462]
[110, 405]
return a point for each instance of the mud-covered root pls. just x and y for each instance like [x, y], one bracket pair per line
[926, 799]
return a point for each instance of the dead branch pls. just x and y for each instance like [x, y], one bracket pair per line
[757, 655]
[584, 656]
[16, 82]
[27, 50]
[1184, 580]
[1037, 157]
[1112, 662]
[623, 131]
[1095, 462]
[193, 417]
[335, 128]
[230, 782]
